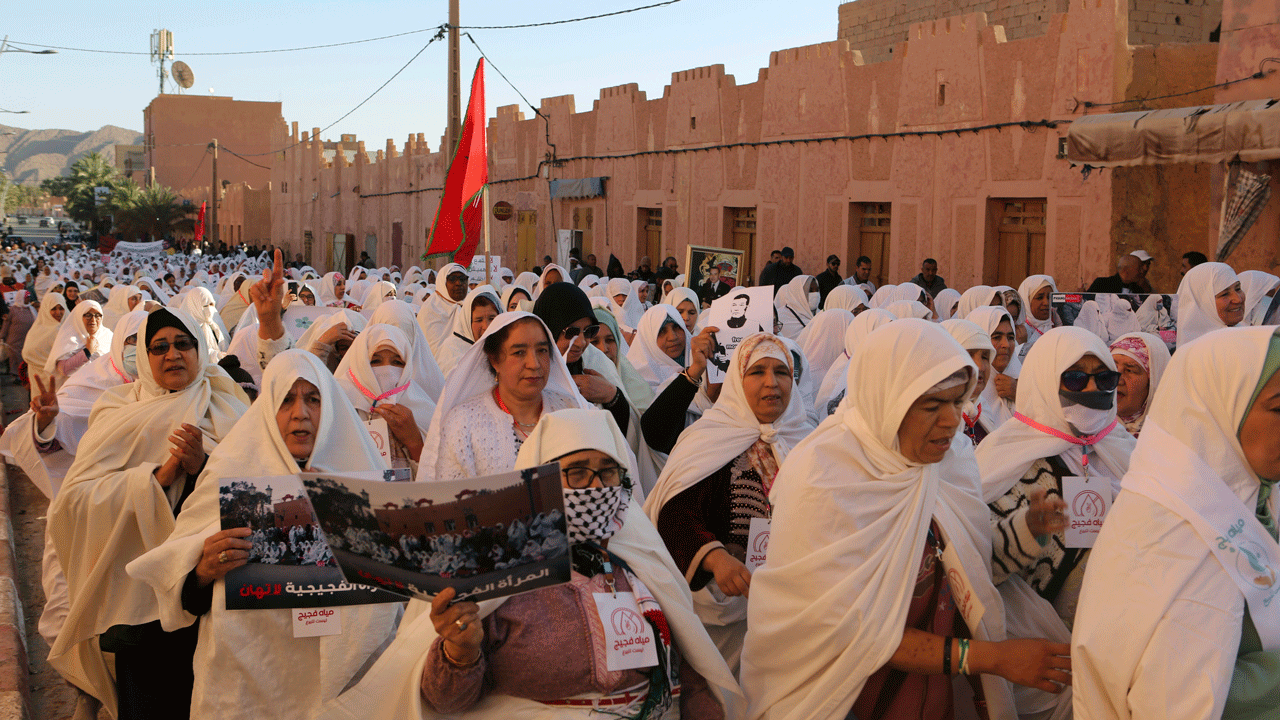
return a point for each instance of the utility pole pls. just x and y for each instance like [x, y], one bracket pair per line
[215, 194]
[454, 131]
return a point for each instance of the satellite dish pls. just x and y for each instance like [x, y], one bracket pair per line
[182, 74]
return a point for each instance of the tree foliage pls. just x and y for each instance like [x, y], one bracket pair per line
[153, 212]
[88, 172]
[19, 196]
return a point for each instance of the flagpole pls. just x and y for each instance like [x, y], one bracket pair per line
[488, 277]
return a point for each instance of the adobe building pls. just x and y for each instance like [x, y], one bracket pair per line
[928, 129]
[177, 130]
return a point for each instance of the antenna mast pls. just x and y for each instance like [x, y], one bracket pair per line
[161, 51]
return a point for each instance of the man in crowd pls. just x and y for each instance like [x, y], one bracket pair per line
[828, 279]
[1143, 283]
[645, 271]
[1192, 259]
[861, 276]
[929, 279]
[766, 274]
[785, 270]
[714, 288]
[590, 267]
[669, 269]
[1127, 279]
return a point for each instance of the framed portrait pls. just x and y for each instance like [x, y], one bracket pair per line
[700, 261]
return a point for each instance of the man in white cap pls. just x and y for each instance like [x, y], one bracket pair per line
[1146, 259]
[1128, 278]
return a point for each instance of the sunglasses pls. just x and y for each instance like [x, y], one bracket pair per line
[183, 344]
[590, 332]
[1077, 380]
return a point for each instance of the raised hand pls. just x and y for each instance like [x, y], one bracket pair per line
[44, 404]
[268, 299]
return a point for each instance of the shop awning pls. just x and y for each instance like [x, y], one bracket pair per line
[577, 188]
[1248, 130]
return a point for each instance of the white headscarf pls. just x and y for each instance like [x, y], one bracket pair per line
[38, 347]
[836, 381]
[376, 294]
[996, 410]
[909, 309]
[1256, 284]
[847, 297]
[542, 280]
[460, 337]
[971, 336]
[851, 515]
[426, 373]
[823, 341]
[1152, 354]
[1197, 302]
[883, 296]
[117, 304]
[792, 304]
[631, 310]
[199, 304]
[73, 337]
[1003, 458]
[974, 298]
[638, 393]
[328, 291]
[231, 675]
[1155, 570]
[942, 304]
[356, 377]
[78, 394]
[436, 313]
[653, 364]
[684, 294]
[1026, 290]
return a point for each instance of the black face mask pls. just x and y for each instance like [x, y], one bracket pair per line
[1096, 400]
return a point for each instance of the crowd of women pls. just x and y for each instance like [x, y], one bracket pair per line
[889, 508]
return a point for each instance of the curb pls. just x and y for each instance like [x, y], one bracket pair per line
[15, 686]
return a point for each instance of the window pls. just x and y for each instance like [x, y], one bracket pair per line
[450, 525]
[429, 527]
[473, 522]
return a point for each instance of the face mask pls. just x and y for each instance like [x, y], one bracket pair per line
[130, 359]
[595, 514]
[388, 376]
[1088, 412]
[814, 299]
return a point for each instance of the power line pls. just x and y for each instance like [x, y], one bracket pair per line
[439, 35]
[504, 76]
[236, 52]
[1256, 76]
[187, 184]
[571, 20]
[233, 152]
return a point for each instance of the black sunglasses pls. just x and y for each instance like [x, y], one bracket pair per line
[183, 344]
[1077, 380]
[590, 332]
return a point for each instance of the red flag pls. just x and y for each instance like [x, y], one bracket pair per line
[200, 223]
[460, 217]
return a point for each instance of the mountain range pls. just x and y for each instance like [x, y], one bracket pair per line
[30, 156]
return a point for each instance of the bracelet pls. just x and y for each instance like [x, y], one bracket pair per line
[444, 649]
[964, 657]
[613, 402]
[946, 656]
[696, 383]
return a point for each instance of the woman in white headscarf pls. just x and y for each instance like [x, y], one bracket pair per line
[436, 314]
[146, 444]
[494, 398]
[909, 309]
[613, 345]
[376, 294]
[976, 297]
[975, 341]
[123, 299]
[883, 296]
[1184, 565]
[629, 309]
[238, 302]
[835, 383]
[686, 302]
[1258, 288]
[249, 662]
[716, 484]
[199, 304]
[426, 372]
[470, 321]
[1037, 308]
[660, 348]
[40, 338]
[551, 274]
[795, 304]
[333, 290]
[844, 615]
[464, 660]
[946, 304]
[823, 341]
[1141, 359]
[80, 339]
[847, 297]
[1000, 392]
[1066, 408]
[376, 377]
[1210, 297]
[515, 294]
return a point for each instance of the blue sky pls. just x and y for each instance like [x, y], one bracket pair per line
[84, 91]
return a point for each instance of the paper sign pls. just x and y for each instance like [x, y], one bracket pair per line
[15, 297]
[743, 312]
[757, 543]
[628, 639]
[475, 271]
[315, 622]
[381, 435]
[967, 602]
[298, 318]
[1088, 501]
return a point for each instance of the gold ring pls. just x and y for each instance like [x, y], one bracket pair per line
[222, 557]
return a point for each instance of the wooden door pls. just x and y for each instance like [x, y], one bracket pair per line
[397, 242]
[526, 240]
[650, 236]
[870, 226]
[742, 236]
[582, 221]
[1020, 239]
[308, 241]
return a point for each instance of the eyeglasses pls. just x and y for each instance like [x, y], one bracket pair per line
[589, 332]
[579, 478]
[1077, 380]
[93, 316]
[183, 344]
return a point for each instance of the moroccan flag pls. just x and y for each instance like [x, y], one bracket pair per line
[200, 223]
[460, 217]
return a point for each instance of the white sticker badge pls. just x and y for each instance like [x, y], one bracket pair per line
[757, 543]
[314, 622]
[628, 638]
[1088, 501]
[381, 434]
[967, 602]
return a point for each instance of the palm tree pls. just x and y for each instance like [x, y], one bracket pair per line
[154, 212]
[89, 172]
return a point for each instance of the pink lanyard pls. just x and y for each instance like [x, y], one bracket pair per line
[1033, 327]
[970, 423]
[1084, 442]
[373, 401]
[123, 377]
